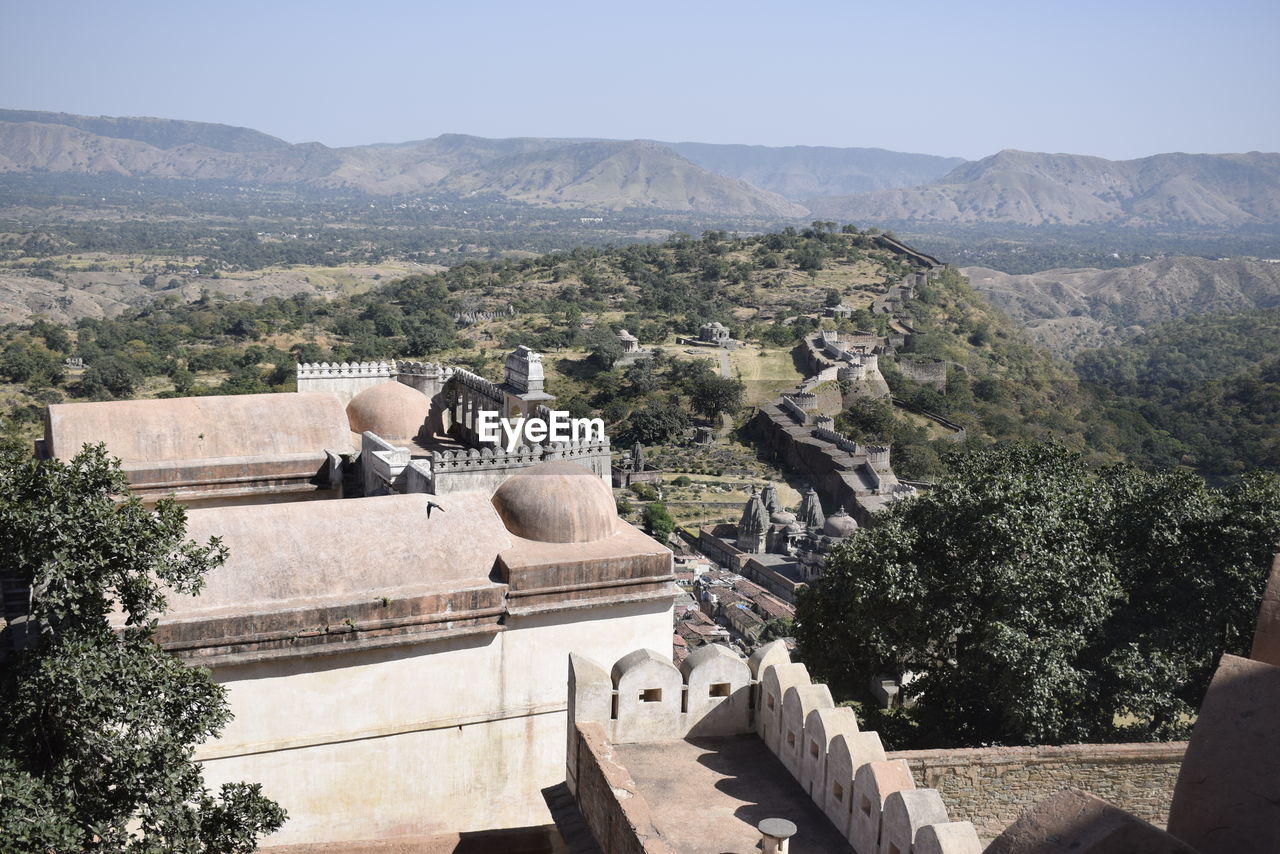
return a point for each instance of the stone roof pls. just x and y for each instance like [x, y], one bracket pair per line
[142, 432]
[811, 509]
[295, 554]
[839, 524]
[754, 516]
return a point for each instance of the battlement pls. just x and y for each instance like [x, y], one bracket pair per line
[478, 384]
[871, 801]
[357, 370]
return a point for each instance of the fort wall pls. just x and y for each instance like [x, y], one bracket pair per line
[926, 373]
[992, 786]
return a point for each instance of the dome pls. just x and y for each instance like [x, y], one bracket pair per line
[557, 502]
[392, 409]
[839, 524]
[782, 517]
[795, 528]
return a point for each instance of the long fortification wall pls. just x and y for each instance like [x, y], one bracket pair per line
[991, 786]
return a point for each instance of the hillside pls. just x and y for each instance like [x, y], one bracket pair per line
[770, 290]
[801, 172]
[1209, 386]
[1067, 310]
[1033, 189]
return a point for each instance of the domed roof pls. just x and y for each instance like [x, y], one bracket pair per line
[781, 517]
[839, 524]
[795, 528]
[557, 502]
[392, 409]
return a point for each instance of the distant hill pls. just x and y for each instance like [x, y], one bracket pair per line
[1068, 310]
[1025, 188]
[162, 133]
[801, 172]
[619, 174]
[573, 173]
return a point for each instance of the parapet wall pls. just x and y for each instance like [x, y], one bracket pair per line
[347, 379]
[991, 786]
[870, 799]
[486, 468]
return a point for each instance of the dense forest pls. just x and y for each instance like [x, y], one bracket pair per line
[1202, 392]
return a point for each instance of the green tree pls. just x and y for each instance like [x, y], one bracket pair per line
[655, 423]
[713, 395]
[604, 345]
[99, 723]
[1038, 601]
[657, 521]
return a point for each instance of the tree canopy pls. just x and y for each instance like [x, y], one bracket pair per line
[99, 723]
[1038, 601]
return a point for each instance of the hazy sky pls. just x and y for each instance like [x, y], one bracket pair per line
[1116, 79]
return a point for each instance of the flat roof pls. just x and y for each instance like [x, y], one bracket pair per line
[707, 795]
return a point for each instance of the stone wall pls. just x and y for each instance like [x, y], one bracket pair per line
[926, 373]
[992, 786]
[617, 814]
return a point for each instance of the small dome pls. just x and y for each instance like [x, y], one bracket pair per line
[392, 409]
[839, 524]
[557, 502]
[795, 528]
[782, 517]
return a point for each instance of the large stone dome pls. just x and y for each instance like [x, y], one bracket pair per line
[839, 524]
[557, 502]
[392, 409]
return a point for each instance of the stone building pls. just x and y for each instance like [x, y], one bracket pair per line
[774, 547]
[393, 661]
[370, 428]
[714, 333]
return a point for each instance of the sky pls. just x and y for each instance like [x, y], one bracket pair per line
[1113, 79]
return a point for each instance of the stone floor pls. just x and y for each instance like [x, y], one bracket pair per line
[707, 795]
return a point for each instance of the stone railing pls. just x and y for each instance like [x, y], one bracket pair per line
[870, 799]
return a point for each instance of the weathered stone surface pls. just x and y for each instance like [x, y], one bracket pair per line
[991, 786]
[1228, 793]
[648, 704]
[872, 784]
[954, 837]
[1077, 822]
[391, 409]
[719, 691]
[557, 502]
[192, 428]
[1266, 638]
[905, 812]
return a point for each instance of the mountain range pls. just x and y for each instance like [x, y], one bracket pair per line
[1031, 189]
[861, 185]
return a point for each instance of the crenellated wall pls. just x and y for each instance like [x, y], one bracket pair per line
[871, 800]
[347, 379]
[442, 472]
